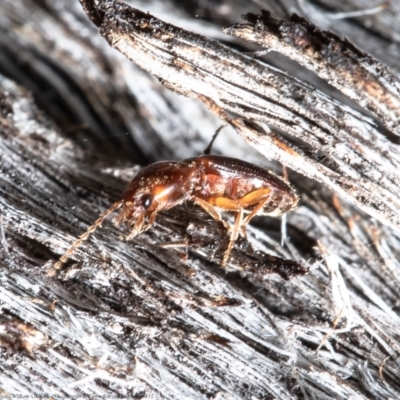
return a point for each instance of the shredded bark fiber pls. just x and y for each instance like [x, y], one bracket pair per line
[315, 316]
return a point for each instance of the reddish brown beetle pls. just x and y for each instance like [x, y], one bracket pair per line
[213, 182]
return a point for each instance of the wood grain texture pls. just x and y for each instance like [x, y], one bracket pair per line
[362, 78]
[323, 139]
[134, 319]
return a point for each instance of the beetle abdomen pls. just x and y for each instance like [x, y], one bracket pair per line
[231, 184]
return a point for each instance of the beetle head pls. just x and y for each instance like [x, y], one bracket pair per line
[157, 187]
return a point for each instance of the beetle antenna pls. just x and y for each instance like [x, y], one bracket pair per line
[207, 150]
[82, 238]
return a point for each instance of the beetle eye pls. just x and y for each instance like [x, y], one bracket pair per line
[146, 200]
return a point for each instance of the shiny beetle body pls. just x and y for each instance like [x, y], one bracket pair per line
[213, 182]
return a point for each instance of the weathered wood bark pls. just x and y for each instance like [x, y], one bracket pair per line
[135, 320]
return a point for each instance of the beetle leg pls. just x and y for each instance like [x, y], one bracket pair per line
[255, 210]
[184, 244]
[137, 228]
[207, 150]
[234, 235]
[211, 210]
[152, 219]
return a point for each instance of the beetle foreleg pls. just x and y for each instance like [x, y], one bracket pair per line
[151, 222]
[137, 228]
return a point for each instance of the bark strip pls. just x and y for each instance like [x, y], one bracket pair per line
[356, 74]
[322, 139]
